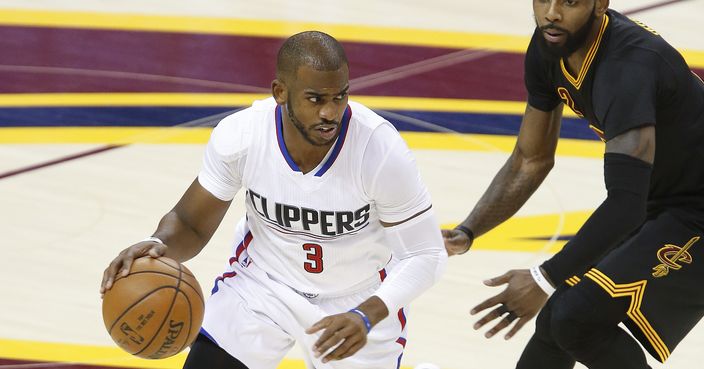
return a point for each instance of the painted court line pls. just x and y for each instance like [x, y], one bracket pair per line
[420, 67]
[58, 161]
[132, 75]
[651, 6]
[189, 99]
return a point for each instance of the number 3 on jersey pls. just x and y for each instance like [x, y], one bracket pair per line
[314, 255]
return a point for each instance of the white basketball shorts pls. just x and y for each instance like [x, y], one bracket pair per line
[257, 320]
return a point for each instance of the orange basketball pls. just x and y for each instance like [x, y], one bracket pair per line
[156, 310]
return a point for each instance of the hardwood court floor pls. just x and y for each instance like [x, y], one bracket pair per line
[84, 81]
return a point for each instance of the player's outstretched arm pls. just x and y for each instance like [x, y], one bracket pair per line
[181, 233]
[627, 168]
[530, 162]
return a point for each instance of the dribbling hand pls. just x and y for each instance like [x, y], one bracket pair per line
[122, 263]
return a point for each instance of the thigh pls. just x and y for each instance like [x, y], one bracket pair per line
[205, 353]
[241, 317]
[659, 271]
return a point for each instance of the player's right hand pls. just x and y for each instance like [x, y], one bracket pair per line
[456, 242]
[123, 262]
[344, 332]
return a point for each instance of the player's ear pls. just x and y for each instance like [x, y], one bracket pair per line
[601, 7]
[278, 90]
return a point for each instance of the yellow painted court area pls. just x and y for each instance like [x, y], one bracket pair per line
[261, 28]
[531, 233]
[266, 28]
[246, 99]
[96, 355]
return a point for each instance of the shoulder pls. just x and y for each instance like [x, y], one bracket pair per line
[634, 43]
[235, 132]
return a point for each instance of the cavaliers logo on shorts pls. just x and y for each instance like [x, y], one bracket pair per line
[671, 255]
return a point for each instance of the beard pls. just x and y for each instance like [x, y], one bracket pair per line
[573, 41]
[306, 133]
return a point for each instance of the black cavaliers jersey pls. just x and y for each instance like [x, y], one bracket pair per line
[631, 78]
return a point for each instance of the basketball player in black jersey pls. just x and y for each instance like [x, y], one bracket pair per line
[639, 258]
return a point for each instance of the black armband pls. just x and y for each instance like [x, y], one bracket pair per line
[469, 234]
[627, 182]
[466, 231]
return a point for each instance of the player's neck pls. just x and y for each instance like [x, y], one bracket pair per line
[308, 158]
[306, 155]
[576, 59]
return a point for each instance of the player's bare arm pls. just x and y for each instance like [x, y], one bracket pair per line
[530, 162]
[638, 143]
[349, 330]
[192, 222]
[184, 231]
[628, 157]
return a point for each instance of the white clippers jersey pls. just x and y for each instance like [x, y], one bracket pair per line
[317, 232]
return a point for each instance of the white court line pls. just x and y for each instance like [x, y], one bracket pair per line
[420, 67]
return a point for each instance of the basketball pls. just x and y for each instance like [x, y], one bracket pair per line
[156, 310]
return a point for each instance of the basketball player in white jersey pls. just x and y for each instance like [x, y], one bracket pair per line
[332, 192]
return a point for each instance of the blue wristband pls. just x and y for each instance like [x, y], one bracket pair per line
[367, 323]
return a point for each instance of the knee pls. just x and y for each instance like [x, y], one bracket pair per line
[577, 320]
[582, 314]
[568, 328]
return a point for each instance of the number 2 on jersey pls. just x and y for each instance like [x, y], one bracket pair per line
[314, 255]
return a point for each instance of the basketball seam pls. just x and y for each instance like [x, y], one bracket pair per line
[172, 267]
[197, 290]
[137, 301]
[162, 273]
[168, 313]
[190, 320]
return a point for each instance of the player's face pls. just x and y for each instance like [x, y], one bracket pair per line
[315, 103]
[565, 25]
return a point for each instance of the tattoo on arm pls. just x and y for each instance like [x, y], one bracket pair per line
[507, 193]
[529, 164]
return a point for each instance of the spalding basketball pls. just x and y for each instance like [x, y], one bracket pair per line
[156, 310]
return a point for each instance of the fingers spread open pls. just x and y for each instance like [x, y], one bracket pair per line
[521, 322]
[496, 313]
[497, 281]
[329, 339]
[503, 323]
[492, 301]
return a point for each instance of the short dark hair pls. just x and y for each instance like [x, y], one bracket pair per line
[314, 49]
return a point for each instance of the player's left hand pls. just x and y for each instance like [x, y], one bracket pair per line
[346, 330]
[522, 299]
